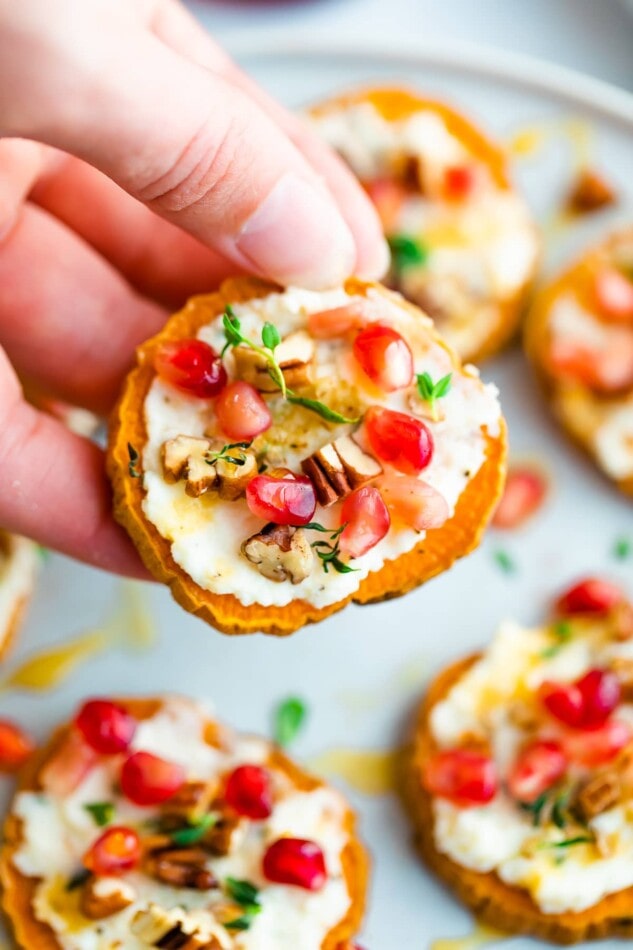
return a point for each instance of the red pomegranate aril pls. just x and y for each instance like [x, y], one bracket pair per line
[399, 439]
[459, 181]
[249, 792]
[241, 412]
[539, 765]
[598, 746]
[117, 850]
[607, 371]
[191, 366]
[463, 776]
[107, 727]
[600, 691]
[337, 322]
[563, 701]
[285, 500]
[524, 493]
[614, 295]
[384, 356]
[366, 521]
[387, 196]
[146, 779]
[590, 596]
[16, 746]
[413, 502]
[296, 862]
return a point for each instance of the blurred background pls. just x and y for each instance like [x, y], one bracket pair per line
[592, 36]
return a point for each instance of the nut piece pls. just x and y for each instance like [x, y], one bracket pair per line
[179, 929]
[184, 457]
[190, 803]
[233, 479]
[598, 794]
[623, 669]
[295, 356]
[280, 553]
[338, 468]
[181, 867]
[225, 835]
[590, 193]
[104, 896]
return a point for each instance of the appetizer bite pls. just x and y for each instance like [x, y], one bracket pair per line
[464, 247]
[520, 776]
[146, 824]
[579, 336]
[278, 453]
[18, 565]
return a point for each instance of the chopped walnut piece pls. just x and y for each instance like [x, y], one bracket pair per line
[280, 553]
[179, 929]
[189, 803]
[195, 460]
[598, 794]
[225, 835]
[181, 867]
[232, 478]
[590, 193]
[294, 355]
[338, 468]
[104, 896]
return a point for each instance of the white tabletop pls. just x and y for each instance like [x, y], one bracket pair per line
[593, 36]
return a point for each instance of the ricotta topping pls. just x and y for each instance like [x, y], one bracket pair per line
[57, 831]
[18, 564]
[502, 836]
[481, 250]
[206, 533]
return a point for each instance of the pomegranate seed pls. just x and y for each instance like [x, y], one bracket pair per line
[524, 493]
[367, 521]
[117, 850]
[282, 500]
[413, 502]
[147, 779]
[607, 371]
[585, 704]
[296, 862]
[387, 197]
[539, 766]
[563, 701]
[192, 366]
[590, 596]
[241, 412]
[249, 792]
[614, 295]
[463, 776]
[400, 439]
[459, 181]
[600, 745]
[74, 759]
[337, 322]
[16, 746]
[384, 356]
[107, 727]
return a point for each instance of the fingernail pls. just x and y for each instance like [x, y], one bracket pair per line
[296, 236]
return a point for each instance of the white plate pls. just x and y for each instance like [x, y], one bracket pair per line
[362, 670]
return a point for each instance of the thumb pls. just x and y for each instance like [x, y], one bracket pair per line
[196, 149]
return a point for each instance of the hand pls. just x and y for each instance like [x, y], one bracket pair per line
[138, 166]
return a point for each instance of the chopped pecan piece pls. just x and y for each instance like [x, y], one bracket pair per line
[590, 193]
[104, 896]
[280, 553]
[338, 468]
[598, 794]
[197, 461]
[224, 836]
[294, 355]
[178, 929]
[181, 867]
[190, 803]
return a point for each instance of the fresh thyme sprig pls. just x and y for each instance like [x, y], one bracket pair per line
[289, 717]
[563, 633]
[430, 392]
[195, 831]
[567, 842]
[247, 896]
[406, 252]
[212, 457]
[270, 341]
[329, 551]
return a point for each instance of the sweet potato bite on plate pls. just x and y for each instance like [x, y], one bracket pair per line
[464, 246]
[277, 453]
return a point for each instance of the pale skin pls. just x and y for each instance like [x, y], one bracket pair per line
[138, 165]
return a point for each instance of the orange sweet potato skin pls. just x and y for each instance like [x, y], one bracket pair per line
[225, 612]
[18, 891]
[395, 104]
[507, 908]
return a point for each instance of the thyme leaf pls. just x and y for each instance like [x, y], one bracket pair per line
[195, 832]
[288, 720]
[406, 252]
[430, 392]
[102, 812]
[567, 842]
[329, 551]
[212, 457]
[315, 405]
[504, 561]
[247, 896]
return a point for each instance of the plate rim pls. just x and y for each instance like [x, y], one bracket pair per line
[521, 69]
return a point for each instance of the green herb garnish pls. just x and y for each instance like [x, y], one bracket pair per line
[563, 633]
[504, 561]
[212, 457]
[288, 720]
[430, 392]
[535, 808]
[247, 896]
[329, 551]
[567, 842]
[560, 815]
[623, 549]
[406, 252]
[133, 463]
[195, 832]
[78, 879]
[270, 341]
[102, 812]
